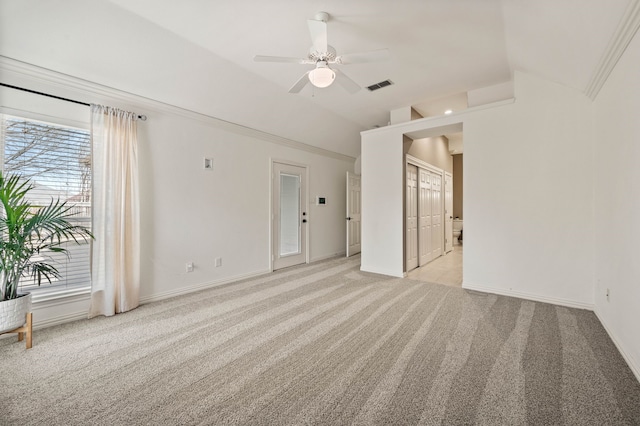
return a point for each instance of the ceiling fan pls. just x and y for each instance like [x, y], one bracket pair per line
[322, 55]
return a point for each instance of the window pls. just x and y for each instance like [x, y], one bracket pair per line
[57, 159]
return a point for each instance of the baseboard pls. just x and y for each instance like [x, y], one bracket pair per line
[201, 286]
[375, 270]
[631, 362]
[48, 301]
[328, 256]
[529, 296]
[80, 315]
[62, 319]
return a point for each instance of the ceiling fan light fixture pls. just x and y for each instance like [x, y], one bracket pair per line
[322, 76]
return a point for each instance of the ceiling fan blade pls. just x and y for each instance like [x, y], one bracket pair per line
[318, 31]
[349, 85]
[299, 85]
[359, 58]
[260, 58]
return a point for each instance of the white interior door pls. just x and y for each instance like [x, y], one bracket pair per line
[353, 214]
[436, 215]
[289, 215]
[411, 242]
[448, 212]
[424, 216]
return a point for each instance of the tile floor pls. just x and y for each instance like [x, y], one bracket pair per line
[445, 270]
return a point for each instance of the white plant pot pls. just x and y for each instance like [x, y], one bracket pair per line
[13, 313]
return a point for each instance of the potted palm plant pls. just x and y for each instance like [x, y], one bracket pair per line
[29, 234]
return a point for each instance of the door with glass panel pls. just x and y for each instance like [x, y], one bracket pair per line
[289, 215]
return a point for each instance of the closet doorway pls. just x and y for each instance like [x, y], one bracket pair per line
[424, 212]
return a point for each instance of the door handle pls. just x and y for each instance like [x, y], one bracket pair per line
[304, 220]
[348, 218]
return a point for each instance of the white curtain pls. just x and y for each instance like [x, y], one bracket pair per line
[115, 257]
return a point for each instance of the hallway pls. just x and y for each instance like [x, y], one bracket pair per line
[446, 270]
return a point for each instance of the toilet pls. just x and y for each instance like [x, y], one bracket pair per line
[457, 231]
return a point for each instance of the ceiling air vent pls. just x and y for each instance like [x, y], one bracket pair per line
[380, 85]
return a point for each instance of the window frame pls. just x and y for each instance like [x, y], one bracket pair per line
[53, 294]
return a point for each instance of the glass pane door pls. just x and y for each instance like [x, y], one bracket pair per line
[289, 214]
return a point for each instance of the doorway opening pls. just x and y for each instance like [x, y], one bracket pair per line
[432, 252]
[426, 238]
[353, 214]
[445, 270]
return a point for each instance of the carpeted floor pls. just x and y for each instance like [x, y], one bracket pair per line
[323, 344]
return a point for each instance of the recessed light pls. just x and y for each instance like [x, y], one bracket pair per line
[447, 112]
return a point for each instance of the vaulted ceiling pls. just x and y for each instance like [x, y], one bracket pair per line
[439, 50]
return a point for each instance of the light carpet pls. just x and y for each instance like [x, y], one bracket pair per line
[323, 344]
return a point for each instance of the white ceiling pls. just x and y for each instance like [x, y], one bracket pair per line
[439, 48]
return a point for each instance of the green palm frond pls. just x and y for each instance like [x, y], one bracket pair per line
[27, 230]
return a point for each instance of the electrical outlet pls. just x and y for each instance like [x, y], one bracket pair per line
[218, 262]
[189, 266]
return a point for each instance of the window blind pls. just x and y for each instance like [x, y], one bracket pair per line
[57, 159]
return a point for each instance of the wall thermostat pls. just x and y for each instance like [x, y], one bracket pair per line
[321, 201]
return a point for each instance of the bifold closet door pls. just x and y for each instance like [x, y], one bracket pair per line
[436, 216]
[411, 237]
[424, 213]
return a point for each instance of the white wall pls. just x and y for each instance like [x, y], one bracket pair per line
[433, 150]
[528, 208]
[196, 215]
[188, 213]
[381, 220]
[617, 204]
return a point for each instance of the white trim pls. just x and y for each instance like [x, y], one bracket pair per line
[272, 206]
[633, 365]
[47, 300]
[623, 35]
[40, 75]
[287, 162]
[47, 119]
[444, 210]
[529, 296]
[202, 286]
[441, 120]
[62, 319]
[328, 256]
[375, 270]
[82, 315]
[420, 163]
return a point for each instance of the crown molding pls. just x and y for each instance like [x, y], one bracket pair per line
[97, 93]
[623, 35]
